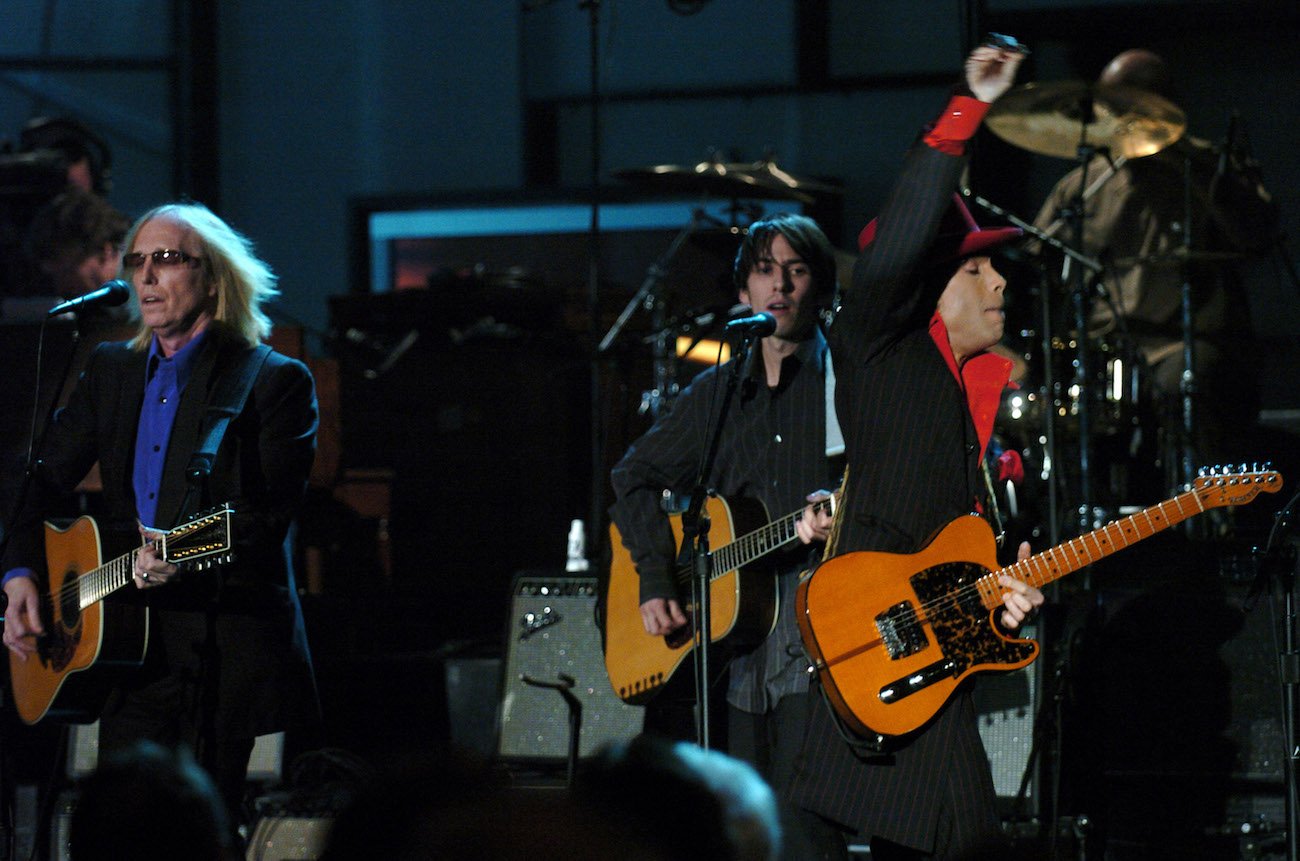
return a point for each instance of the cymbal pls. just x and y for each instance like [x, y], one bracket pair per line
[760, 179]
[1047, 118]
[769, 174]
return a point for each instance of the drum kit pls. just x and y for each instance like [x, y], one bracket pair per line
[1086, 416]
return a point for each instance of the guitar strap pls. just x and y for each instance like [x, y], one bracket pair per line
[837, 519]
[228, 401]
[834, 436]
[995, 512]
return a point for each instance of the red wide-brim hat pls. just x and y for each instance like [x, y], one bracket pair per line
[959, 236]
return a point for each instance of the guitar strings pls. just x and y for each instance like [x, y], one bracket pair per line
[118, 572]
[100, 573]
[783, 528]
[915, 617]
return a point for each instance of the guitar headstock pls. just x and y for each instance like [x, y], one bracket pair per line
[1235, 485]
[201, 542]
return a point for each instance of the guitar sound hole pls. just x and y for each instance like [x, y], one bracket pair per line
[680, 637]
[69, 607]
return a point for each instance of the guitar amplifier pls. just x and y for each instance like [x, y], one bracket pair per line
[1007, 704]
[552, 634]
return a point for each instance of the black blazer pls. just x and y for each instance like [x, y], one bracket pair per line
[913, 460]
[261, 468]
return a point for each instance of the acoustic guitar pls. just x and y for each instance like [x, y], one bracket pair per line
[891, 635]
[87, 640]
[743, 605]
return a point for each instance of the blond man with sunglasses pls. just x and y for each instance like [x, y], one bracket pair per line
[226, 658]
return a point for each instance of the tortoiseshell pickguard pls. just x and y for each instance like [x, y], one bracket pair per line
[962, 626]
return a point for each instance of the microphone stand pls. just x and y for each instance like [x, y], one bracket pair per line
[564, 687]
[1289, 670]
[695, 545]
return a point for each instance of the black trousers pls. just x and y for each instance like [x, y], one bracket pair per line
[771, 742]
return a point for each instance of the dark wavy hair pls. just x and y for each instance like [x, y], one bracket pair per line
[807, 240]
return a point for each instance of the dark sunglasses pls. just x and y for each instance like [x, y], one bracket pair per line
[161, 257]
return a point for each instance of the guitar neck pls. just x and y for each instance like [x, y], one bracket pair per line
[98, 583]
[756, 544]
[1050, 565]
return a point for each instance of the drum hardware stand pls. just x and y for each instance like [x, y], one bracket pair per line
[1078, 280]
[1281, 565]
[648, 297]
[1187, 382]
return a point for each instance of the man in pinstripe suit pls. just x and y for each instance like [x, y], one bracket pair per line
[917, 392]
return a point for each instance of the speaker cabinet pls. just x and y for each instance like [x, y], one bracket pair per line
[289, 838]
[1007, 705]
[552, 634]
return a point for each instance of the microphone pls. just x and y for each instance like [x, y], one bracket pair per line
[112, 293]
[759, 325]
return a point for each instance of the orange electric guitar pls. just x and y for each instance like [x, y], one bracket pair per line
[85, 638]
[743, 601]
[891, 636]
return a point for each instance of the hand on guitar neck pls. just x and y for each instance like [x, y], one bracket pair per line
[1020, 599]
[662, 616]
[150, 569]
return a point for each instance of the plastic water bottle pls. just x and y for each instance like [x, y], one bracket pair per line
[577, 548]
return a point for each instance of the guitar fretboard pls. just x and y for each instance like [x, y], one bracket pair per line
[98, 583]
[756, 544]
[1050, 565]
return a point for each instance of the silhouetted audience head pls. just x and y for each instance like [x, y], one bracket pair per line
[148, 804]
[682, 801]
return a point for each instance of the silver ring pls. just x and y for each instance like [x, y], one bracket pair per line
[144, 575]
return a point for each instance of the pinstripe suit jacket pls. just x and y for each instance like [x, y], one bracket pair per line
[913, 457]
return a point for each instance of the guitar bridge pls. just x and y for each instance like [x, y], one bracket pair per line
[920, 680]
[901, 631]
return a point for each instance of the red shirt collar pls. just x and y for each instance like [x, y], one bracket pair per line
[983, 378]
